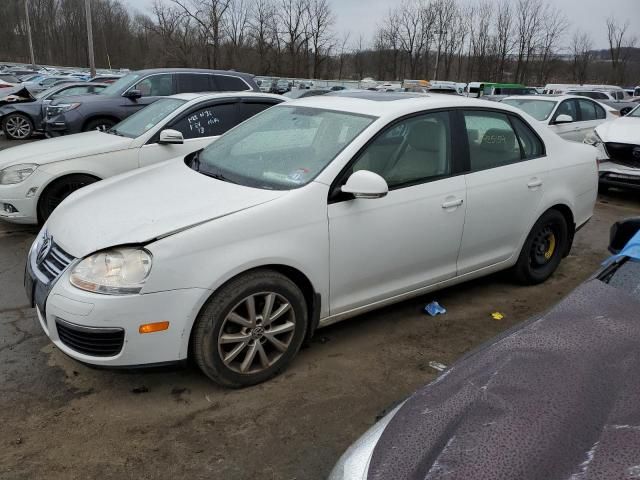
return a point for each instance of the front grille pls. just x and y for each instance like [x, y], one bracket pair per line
[624, 153]
[96, 342]
[54, 262]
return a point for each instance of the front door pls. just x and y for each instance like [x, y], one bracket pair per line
[380, 248]
[571, 131]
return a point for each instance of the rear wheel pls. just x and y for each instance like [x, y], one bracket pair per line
[543, 250]
[251, 329]
[17, 126]
[58, 191]
[100, 124]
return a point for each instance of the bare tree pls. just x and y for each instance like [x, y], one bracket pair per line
[581, 47]
[553, 26]
[504, 35]
[619, 45]
[321, 19]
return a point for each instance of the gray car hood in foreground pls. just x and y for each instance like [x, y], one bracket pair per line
[557, 397]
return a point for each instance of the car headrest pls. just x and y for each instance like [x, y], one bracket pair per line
[426, 135]
[499, 140]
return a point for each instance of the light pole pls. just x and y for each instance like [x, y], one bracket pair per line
[92, 60]
[440, 33]
[26, 12]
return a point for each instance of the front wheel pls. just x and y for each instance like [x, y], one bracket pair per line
[100, 124]
[251, 329]
[17, 126]
[543, 250]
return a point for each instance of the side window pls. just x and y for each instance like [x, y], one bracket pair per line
[492, 141]
[587, 110]
[532, 146]
[193, 83]
[156, 85]
[568, 107]
[413, 151]
[600, 113]
[208, 121]
[248, 110]
[226, 83]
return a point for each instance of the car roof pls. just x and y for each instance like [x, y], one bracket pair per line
[549, 98]
[393, 103]
[192, 70]
[188, 97]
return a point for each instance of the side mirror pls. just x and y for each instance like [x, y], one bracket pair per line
[168, 137]
[366, 184]
[133, 94]
[563, 119]
[621, 232]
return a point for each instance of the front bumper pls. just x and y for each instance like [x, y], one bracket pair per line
[616, 175]
[81, 323]
[23, 199]
[63, 124]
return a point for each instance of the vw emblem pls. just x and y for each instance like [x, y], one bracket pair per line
[45, 248]
[636, 153]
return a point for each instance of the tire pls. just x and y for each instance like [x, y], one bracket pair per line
[17, 126]
[227, 314]
[101, 124]
[603, 188]
[543, 250]
[60, 189]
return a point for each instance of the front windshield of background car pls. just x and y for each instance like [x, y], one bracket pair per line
[120, 85]
[538, 109]
[147, 118]
[281, 148]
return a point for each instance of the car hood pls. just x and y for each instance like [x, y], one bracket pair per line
[622, 130]
[63, 148]
[554, 397]
[147, 204]
[87, 98]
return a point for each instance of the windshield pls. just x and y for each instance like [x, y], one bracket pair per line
[538, 109]
[147, 118]
[634, 113]
[119, 86]
[282, 148]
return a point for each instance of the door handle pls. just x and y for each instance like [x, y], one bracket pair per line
[452, 203]
[534, 183]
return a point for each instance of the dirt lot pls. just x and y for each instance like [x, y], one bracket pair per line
[61, 419]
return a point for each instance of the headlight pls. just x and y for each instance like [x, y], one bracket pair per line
[16, 173]
[118, 271]
[61, 108]
[593, 139]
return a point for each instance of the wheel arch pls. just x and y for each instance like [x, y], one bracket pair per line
[53, 180]
[312, 297]
[569, 217]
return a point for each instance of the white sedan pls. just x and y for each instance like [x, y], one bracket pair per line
[311, 212]
[570, 116]
[36, 177]
[618, 144]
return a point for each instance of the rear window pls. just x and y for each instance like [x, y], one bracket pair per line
[195, 82]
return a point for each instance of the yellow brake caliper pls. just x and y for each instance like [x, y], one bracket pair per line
[552, 247]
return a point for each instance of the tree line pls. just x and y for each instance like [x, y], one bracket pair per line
[524, 41]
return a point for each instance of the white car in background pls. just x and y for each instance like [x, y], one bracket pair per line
[618, 144]
[312, 212]
[36, 177]
[570, 116]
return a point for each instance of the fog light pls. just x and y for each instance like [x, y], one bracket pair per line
[153, 327]
[31, 192]
[8, 208]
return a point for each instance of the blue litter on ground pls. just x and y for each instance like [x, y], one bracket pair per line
[434, 308]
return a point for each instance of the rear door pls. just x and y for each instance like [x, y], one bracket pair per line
[199, 126]
[195, 82]
[591, 115]
[505, 184]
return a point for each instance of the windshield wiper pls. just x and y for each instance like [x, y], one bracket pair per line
[113, 131]
[217, 176]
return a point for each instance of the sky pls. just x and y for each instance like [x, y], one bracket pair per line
[361, 17]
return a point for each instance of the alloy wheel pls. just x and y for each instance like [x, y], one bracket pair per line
[18, 127]
[256, 333]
